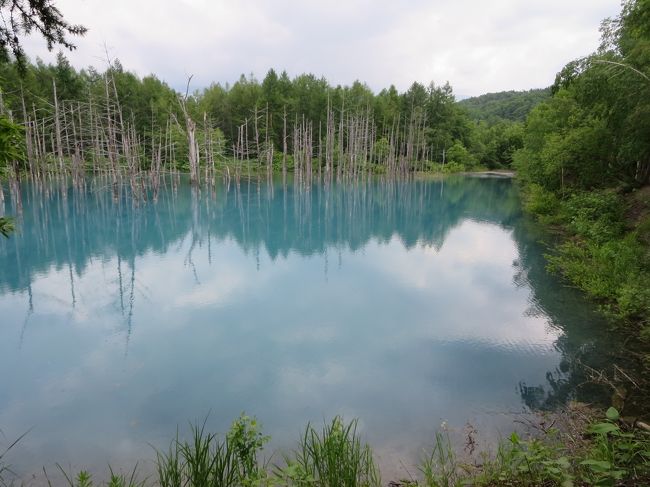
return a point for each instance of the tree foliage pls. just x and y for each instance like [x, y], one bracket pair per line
[595, 131]
[12, 143]
[513, 106]
[21, 17]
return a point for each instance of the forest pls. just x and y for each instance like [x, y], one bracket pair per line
[117, 122]
[506, 105]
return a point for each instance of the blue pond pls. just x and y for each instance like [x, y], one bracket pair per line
[403, 304]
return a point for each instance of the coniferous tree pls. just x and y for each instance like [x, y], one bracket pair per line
[22, 17]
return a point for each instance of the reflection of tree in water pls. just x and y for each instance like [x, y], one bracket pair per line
[66, 228]
[587, 341]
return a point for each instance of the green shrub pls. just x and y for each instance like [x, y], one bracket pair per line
[246, 440]
[612, 272]
[616, 455]
[452, 167]
[541, 202]
[458, 154]
[596, 216]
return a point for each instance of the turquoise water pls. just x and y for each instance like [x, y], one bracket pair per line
[404, 304]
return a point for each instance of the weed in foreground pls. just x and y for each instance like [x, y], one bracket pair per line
[208, 461]
[611, 454]
[5, 469]
[608, 452]
[333, 457]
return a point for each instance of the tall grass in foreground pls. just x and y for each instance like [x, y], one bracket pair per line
[333, 457]
[440, 467]
[5, 469]
[609, 452]
[208, 461]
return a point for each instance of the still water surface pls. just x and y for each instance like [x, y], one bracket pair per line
[402, 304]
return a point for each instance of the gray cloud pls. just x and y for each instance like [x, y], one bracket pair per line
[477, 46]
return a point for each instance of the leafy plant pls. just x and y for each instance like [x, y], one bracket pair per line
[616, 454]
[532, 462]
[121, 480]
[246, 440]
[82, 479]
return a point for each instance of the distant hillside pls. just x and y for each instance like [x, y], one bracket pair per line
[508, 105]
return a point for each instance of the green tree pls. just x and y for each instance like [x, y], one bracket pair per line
[458, 154]
[613, 86]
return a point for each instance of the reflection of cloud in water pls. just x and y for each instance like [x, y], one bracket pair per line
[308, 382]
[402, 314]
[486, 308]
[311, 334]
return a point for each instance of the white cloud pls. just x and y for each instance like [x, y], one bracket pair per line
[477, 46]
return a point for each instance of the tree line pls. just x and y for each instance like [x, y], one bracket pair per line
[116, 122]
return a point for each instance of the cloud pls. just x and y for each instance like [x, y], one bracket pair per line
[477, 46]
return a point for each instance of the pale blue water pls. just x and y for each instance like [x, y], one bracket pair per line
[402, 304]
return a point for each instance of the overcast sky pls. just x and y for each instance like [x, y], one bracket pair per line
[479, 46]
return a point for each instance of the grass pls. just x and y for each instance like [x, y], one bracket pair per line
[333, 457]
[5, 469]
[581, 450]
[206, 460]
[440, 467]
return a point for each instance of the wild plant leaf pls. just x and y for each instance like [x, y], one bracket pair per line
[603, 428]
[597, 465]
[563, 462]
[612, 414]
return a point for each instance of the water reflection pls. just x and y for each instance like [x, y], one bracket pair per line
[66, 227]
[401, 303]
